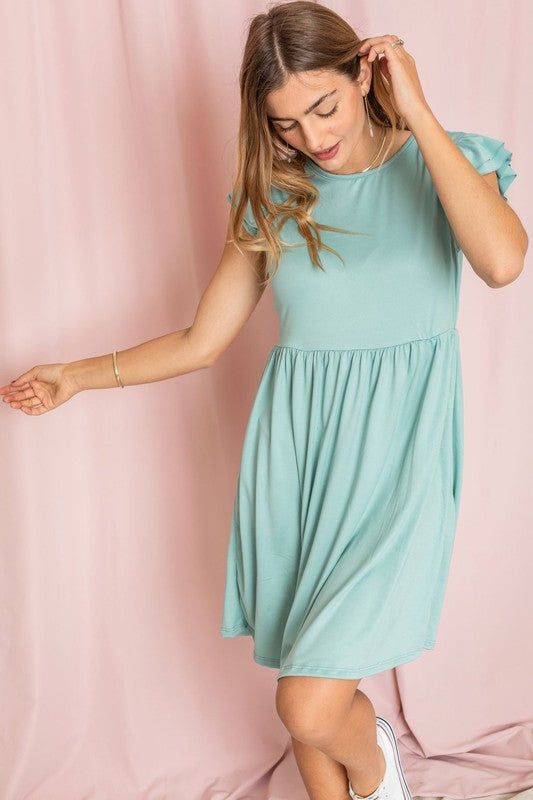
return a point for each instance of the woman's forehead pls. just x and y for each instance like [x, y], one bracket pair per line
[301, 90]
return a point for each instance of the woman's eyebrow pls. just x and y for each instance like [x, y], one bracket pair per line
[307, 110]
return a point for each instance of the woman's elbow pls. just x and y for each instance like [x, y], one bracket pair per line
[506, 273]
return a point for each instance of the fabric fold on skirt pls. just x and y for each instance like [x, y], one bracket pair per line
[346, 507]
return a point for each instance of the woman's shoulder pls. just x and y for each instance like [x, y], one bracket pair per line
[487, 154]
[400, 138]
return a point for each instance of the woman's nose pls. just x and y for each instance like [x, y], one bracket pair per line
[312, 139]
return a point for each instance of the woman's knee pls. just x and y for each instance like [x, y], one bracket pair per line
[313, 709]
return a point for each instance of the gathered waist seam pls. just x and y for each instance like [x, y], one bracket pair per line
[350, 349]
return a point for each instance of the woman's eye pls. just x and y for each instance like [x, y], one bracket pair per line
[287, 129]
[329, 114]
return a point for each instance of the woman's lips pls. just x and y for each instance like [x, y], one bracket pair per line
[331, 153]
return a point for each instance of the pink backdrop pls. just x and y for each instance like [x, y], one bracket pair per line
[117, 148]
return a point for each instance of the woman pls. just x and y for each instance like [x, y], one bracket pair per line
[356, 205]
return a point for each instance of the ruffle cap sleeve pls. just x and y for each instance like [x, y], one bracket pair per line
[487, 155]
[248, 219]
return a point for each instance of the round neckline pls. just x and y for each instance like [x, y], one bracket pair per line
[350, 175]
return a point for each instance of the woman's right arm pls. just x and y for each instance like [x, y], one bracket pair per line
[228, 301]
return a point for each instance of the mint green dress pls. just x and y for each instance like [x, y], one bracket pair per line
[348, 490]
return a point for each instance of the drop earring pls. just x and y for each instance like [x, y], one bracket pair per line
[370, 128]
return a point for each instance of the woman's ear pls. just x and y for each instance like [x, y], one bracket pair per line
[365, 74]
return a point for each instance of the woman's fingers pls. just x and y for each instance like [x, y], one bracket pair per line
[42, 396]
[34, 395]
[16, 395]
[33, 410]
[46, 388]
[13, 387]
[23, 381]
[19, 395]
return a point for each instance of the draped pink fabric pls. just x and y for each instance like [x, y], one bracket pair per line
[117, 148]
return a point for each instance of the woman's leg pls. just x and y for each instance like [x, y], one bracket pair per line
[333, 727]
[323, 777]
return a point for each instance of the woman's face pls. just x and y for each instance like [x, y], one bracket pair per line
[339, 117]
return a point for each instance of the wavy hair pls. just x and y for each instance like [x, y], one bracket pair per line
[291, 37]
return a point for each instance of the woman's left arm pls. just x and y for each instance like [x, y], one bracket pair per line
[488, 231]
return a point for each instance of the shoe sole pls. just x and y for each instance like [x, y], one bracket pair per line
[388, 731]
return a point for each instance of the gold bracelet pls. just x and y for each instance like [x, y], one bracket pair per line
[117, 376]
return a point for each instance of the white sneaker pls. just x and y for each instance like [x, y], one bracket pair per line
[393, 786]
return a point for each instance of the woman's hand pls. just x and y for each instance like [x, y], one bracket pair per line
[398, 67]
[40, 389]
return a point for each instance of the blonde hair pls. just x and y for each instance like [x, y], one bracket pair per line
[291, 37]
